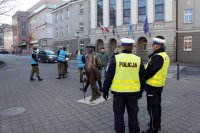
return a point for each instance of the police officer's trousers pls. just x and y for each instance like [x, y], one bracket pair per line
[130, 102]
[154, 109]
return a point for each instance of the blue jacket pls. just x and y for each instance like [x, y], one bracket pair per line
[34, 58]
[79, 61]
[62, 55]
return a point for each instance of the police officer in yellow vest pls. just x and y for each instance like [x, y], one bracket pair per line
[126, 77]
[156, 72]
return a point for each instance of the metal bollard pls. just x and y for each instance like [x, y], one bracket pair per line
[177, 71]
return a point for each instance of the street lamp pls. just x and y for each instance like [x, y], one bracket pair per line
[82, 45]
[68, 47]
[78, 35]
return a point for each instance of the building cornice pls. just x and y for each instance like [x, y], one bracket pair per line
[67, 4]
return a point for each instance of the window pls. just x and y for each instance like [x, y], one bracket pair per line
[61, 31]
[52, 5]
[67, 30]
[56, 32]
[126, 11]
[23, 32]
[61, 15]
[67, 13]
[187, 43]
[56, 17]
[142, 10]
[23, 25]
[99, 12]
[159, 10]
[112, 5]
[81, 8]
[81, 27]
[188, 16]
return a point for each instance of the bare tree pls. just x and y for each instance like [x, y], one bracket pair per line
[6, 6]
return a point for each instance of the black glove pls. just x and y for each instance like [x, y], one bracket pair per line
[105, 95]
[139, 96]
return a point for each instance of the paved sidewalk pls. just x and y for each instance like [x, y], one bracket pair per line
[52, 107]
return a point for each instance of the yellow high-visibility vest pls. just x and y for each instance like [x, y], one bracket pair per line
[158, 80]
[126, 77]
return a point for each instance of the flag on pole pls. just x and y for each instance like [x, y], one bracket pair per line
[130, 29]
[146, 27]
[114, 30]
[104, 29]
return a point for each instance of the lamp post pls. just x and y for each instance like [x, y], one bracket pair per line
[68, 47]
[78, 35]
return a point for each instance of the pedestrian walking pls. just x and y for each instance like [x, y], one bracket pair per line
[66, 61]
[156, 72]
[34, 64]
[126, 77]
[81, 63]
[104, 59]
[61, 63]
[92, 69]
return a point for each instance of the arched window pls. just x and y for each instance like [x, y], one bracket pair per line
[159, 10]
[126, 11]
[112, 7]
[142, 10]
[99, 12]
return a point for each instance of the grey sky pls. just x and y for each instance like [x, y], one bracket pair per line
[22, 5]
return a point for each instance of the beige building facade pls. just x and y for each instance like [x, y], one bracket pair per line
[120, 15]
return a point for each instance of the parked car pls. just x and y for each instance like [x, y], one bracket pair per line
[3, 51]
[47, 56]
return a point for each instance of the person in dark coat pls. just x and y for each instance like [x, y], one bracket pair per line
[126, 77]
[156, 72]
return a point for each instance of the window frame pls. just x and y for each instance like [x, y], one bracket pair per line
[112, 14]
[99, 19]
[188, 15]
[163, 12]
[124, 9]
[144, 15]
[186, 41]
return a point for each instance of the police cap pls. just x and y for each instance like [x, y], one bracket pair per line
[158, 41]
[127, 42]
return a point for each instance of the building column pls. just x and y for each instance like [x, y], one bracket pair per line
[93, 7]
[150, 10]
[168, 10]
[134, 11]
[119, 12]
[106, 13]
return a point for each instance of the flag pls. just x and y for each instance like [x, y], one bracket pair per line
[114, 28]
[146, 27]
[130, 29]
[104, 29]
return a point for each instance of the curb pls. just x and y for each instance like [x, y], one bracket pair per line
[2, 64]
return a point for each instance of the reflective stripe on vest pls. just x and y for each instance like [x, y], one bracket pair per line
[61, 56]
[126, 77]
[80, 62]
[158, 80]
[33, 62]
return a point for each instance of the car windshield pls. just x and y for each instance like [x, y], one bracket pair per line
[50, 53]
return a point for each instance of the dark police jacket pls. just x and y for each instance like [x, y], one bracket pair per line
[111, 72]
[154, 66]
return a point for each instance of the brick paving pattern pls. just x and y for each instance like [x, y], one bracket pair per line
[52, 107]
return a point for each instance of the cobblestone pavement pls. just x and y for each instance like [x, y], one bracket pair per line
[52, 107]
